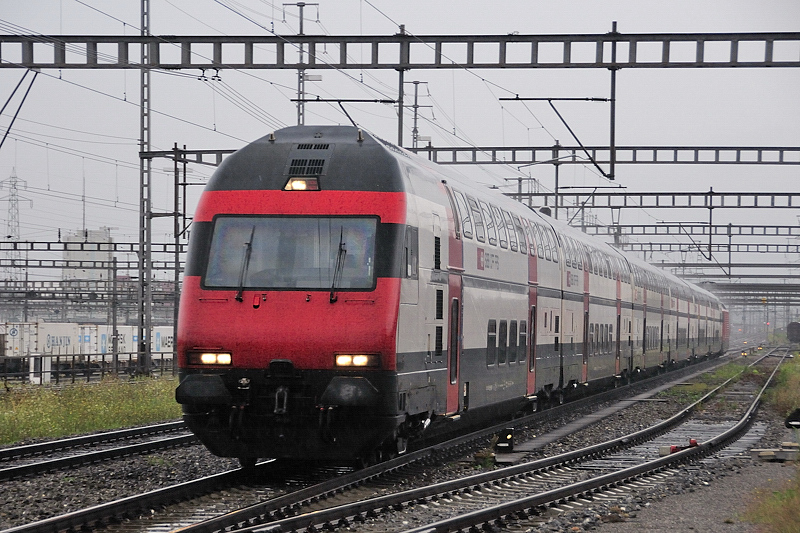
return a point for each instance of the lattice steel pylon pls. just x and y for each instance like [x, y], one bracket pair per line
[10, 272]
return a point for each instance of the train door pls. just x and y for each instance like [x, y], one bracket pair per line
[533, 281]
[618, 344]
[455, 267]
[531, 388]
[585, 373]
[455, 401]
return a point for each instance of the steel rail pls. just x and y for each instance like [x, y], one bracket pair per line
[79, 520]
[28, 450]
[94, 457]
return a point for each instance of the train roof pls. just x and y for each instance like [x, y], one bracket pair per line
[337, 154]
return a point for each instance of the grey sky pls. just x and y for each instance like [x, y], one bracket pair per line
[81, 127]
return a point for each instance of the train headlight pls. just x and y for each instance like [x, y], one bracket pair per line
[210, 358]
[302, 184]
[358, 360]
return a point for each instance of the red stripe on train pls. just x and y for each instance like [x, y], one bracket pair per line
[389, 206]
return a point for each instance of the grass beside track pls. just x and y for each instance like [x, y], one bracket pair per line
[33, 412]
[779, 511]
[692, 391]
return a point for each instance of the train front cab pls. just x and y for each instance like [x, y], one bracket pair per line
[256, 384]
[277, 360]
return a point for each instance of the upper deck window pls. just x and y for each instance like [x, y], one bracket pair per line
[463, 214]
[512, 235]
[501, 227]
[303, 253]
[480, 233]
[491, 232]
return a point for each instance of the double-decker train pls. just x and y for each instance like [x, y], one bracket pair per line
[341, 295]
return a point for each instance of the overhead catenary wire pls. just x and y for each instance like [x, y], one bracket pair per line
[14, 118]
[73, 130]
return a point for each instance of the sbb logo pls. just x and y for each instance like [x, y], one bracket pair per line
[488, 260]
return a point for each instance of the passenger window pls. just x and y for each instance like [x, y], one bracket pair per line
[529, 232]
[512, 233]
[512, 341]
[523, 247]
[566, 244]
[411, 252]
[491, 343]
[554, 243]
[522, 351]
[502, 342]
[463, 214]
[480, 234]
[546, 239]
[491, 232]
[587, 256]
[539, 240]
[456, 217]
[501, 227]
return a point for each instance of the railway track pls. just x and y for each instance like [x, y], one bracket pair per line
[280, 503]
[516, 494]
[20, 461]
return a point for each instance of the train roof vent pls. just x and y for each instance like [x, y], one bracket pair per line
[308, 159]
[311, 146]
[306, 167]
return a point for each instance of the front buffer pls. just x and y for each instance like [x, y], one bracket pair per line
[284, 412]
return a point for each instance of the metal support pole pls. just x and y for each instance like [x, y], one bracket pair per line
[400, 110]
[114, 331]
[415, 130]
[613, 111]
[710, 223]
[176, 229]
[556, 163]
[145, 220]
[400, 98]
[301, 76]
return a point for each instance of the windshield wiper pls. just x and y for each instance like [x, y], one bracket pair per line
[337, 273]
[248, 249]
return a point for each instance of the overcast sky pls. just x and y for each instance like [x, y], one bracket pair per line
[79, 128]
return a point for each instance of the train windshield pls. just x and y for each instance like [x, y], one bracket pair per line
[304, 253]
